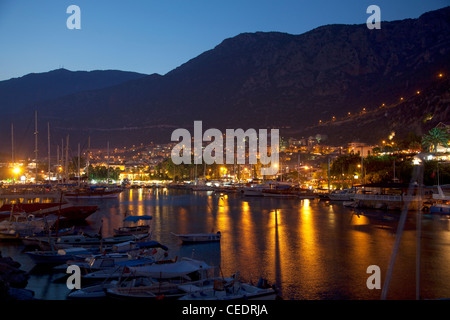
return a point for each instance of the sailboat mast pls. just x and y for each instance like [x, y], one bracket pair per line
[329, 174]
[57, 163]
[36, 145]
[107, 152]
[88, 156]
[62, 159]
[79, 164]
[66, 166]
[12, 144]
[48, 142]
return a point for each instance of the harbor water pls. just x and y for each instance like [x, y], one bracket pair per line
[309, 249]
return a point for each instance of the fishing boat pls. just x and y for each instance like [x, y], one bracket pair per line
[199, 237]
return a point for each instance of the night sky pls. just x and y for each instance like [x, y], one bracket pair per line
[150, 36]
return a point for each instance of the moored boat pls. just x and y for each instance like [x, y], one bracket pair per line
[441, 202]
[342, 195]
[66, 210]
[236, 290]
[93, 193]
[55, 257]
[199, 237]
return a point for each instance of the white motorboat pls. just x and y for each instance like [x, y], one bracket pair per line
[96, 262]
[183, 268]
[98, 291]
[236, 290]
[199, 237]
[53, 257]
[92, 241]
[161, 290]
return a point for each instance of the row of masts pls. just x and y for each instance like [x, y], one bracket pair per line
[63, 162]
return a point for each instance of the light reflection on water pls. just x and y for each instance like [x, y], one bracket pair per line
[310, 249]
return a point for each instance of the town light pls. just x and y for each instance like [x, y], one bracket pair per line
[16, 170]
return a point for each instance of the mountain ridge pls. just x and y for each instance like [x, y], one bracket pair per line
[266, 80]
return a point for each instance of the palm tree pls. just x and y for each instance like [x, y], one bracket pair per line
[434, 137]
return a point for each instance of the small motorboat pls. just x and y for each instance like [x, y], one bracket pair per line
[131, 230]
[60, 256]
[199, 237]
[234, 290]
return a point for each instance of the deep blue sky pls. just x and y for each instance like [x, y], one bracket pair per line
[150, 36]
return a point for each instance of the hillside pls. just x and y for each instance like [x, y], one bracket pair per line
[265, 80]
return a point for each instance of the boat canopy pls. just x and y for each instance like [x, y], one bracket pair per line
[137, 218]
[134, 262]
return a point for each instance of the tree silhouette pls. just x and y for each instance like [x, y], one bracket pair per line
[434, 137]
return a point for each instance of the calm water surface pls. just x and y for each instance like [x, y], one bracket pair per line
[311, 249]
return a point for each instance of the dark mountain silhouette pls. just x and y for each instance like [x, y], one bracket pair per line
[18, 94]
[265, 80]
